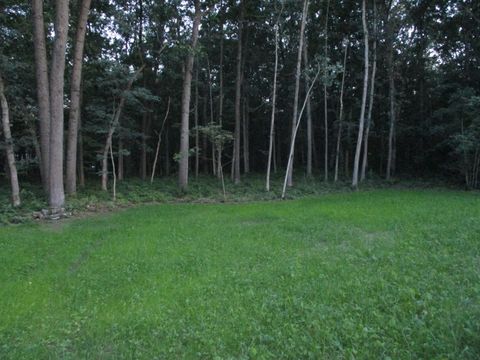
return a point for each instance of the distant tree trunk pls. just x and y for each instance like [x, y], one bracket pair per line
[210, 99]
[75, 89]
[238, 94]
[220, 100]
[364, 100]
[56, 192]
[325, 96]
[120, 159]
[197, 138]
[372, 95]
[113, 125]
[246, 140]
[187, 81]
[309, 116]
[143, 153]
[9, 146]
[80, 165]
[43, 88]
[340, 116]
[271, 142]
[297, 89]
[159, 141]
[391, 79]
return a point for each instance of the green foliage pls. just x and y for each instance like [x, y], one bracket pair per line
[379, 274]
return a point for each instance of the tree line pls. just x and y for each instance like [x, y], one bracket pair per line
[342, 90]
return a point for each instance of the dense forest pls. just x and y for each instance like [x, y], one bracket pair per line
[104, 90]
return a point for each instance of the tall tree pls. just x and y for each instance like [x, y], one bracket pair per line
[297, 88]
[364, 99]
[325, 94]
[185, 107]
[75, 89]
[56, 192]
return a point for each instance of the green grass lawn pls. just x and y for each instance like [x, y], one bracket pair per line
[376, 274]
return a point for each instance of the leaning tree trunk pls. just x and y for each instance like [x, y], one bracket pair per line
[340, 116]
[72, 141]
[238, 94]
[185, 109]
[113, 125]
[43, 89]
[364, 100]
[9, 146]
[372, 95]
[56, 194]
[297, 90]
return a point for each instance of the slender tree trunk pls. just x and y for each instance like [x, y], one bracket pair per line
[159, 141]
[56, 192]
[43, 88]
[210, 99]
[143, 153]
[120, 159]
[297, 90]
[246, 140]
[294, 135]
[372, 95]
[220, 100]
[197, 136]
[75, 89]
[80, 165]
[115, 121]
[238, 94]
[309, 116]
[9, 146]
[271, 142]
[325, 96]
[340, 116]
[392, 114]
[187, 81]
[364, 100]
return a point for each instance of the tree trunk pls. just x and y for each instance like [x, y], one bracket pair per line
[309, 116]
[238, 94]
[340, 116]
[197, 149]
[120, 170]
[43, 88]
[325, 96]
[297, 90]
[57, 81]
[143, 153]
[271, 142]
[364, 100]
[75, 89]
[115, 121]
[9, 146]
[80, 165]
[187, 81]
[220, 100]
[391, 80]
[372, 95]
[246, 140]
[159, 141]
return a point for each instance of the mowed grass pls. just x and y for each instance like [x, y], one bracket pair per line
[368, 275]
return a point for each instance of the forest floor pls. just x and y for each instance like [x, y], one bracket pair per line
[206, 189]
[389, 273]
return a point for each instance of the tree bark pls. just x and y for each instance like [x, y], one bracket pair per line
[75, 89]
[57, 81]
[297, 89]
[9, 146]
[43, 88]
[340, 116]
[238, 94]
[185, 109]
[372, 95]
[325, 97]
[364, 100]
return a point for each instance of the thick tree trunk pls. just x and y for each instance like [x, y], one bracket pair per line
[75, 89]
[9, 146]
[238, 94]
[56, 193]
[297, 90]
[325, 97]
[358, 149]
[309, 116]
[43, 88]
[187, 81]
[372, 95]
[340, 116]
